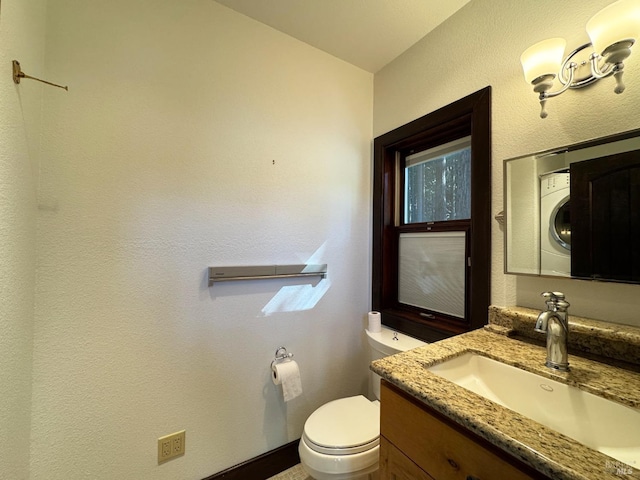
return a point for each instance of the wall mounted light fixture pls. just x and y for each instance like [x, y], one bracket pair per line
[612, 31]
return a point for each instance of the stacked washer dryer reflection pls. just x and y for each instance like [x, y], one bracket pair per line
[555, 225]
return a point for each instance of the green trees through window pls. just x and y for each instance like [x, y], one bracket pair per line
[438, 183]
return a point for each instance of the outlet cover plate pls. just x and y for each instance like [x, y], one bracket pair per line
[171, 446]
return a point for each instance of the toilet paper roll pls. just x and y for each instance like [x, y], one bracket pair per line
[287, 374]
[375, 322]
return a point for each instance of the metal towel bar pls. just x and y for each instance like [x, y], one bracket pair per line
[227, 274]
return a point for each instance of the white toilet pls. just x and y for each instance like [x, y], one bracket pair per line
[341, 440]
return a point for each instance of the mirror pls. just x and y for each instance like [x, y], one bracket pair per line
[574, 211]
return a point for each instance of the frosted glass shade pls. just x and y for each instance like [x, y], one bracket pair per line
[543, 58]
[619, 21]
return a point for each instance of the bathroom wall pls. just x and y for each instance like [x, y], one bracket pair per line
[481, 45]
[21, 38]
[192, 136]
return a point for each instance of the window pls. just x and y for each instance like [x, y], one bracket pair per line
[437, 183]
[431, 271]
[431, 228]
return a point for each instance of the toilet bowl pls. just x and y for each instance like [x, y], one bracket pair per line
[341, 438]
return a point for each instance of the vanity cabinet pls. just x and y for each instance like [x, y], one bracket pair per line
[418, 443]
[395, 465]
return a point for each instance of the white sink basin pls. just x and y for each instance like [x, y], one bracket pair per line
[601, 424]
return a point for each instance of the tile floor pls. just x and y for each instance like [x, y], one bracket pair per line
[294, 473]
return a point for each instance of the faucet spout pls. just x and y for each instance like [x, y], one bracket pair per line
[543, 321]
[555, 323]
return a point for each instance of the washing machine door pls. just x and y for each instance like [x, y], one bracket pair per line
[560, 224]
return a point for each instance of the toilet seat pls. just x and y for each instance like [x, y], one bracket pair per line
[340, 450]
[346, 426]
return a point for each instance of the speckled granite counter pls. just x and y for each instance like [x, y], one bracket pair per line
[557, 456]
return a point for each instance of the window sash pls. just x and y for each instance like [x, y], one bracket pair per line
[437, 183]
[431, 271]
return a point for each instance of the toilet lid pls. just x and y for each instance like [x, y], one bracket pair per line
[347, 424]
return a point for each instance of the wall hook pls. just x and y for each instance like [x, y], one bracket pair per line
[18, 74]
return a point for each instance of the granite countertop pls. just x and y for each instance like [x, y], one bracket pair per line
[556, 455]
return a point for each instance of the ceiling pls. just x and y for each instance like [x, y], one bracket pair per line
[365, 33]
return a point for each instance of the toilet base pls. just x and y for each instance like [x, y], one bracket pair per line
[374, 475]
[360, 466]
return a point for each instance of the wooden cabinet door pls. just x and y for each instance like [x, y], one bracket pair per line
[605, 218]
[441, 448]
[394, 465]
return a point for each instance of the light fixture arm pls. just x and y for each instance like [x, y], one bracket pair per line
[616, 70]
[572, 72]
[598, 72]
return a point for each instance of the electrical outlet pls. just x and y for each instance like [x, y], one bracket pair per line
[171, 446]
[177, 445]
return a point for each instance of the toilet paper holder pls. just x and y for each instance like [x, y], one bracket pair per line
[281, 356]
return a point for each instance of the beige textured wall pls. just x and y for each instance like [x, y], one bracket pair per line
[21, 38]
[192, 136]
[159, 162]
[479, 46]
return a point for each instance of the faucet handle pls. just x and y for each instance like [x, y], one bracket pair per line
[555, 301]
[553, 296]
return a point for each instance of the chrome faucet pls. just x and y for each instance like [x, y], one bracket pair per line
[554, 321]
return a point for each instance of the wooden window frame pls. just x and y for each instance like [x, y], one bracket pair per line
[468, 116]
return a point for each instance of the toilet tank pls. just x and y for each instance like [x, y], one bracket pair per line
[388, 342]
